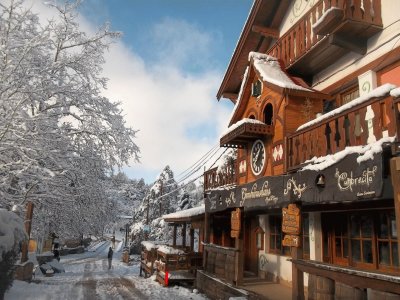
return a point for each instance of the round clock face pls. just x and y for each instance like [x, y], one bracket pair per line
[257, 157]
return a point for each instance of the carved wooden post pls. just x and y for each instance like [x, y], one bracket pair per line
[28, 226]
[184, 234]
[206, 236]
[191, 233]
[174, 237]
[395, 174]
[291, 226]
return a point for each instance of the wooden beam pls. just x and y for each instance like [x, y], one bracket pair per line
[349, 276]
[231, 96]
[355, 45]
[266, 31]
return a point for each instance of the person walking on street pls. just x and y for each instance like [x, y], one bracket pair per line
[110, 255]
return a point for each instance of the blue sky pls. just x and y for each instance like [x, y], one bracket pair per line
[166, 70]
[221, 19]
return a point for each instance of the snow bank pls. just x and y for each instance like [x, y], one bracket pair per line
[12, 231]
[191, 212]
[366, 152]
[381, 91]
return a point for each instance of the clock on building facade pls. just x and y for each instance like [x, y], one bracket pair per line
[257, 157]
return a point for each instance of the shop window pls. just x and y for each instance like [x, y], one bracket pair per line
[306, 237]
[276, 236]
[366, 240]
[259, 238]
[349, 95]
[361, 239]
[387, 241]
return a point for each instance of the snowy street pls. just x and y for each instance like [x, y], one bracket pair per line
[87, 277]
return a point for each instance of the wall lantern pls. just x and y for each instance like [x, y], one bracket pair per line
[320, 181]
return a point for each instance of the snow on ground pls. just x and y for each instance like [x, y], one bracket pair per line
[87, 277]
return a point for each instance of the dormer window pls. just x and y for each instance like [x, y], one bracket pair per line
[256, 88]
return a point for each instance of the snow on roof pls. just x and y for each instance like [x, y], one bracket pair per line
[152, 244]
[395, 92]
[237, 104]
[169, 250]
[187, 213]
[226, 187]
[271, 71]
[366, 152]
[378, 92]
[242, 121]
[12, 231]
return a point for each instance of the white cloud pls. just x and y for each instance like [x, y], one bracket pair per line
[164, 103]
[166, 97]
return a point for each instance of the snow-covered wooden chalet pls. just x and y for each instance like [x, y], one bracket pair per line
[313, 197]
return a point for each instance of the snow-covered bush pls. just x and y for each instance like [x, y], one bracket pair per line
[12, 233]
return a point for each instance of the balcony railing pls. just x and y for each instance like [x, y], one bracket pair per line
[358, 125]
[241, 135]
[218, 177]
[359, 19]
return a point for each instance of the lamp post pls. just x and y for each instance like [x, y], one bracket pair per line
[126, 233]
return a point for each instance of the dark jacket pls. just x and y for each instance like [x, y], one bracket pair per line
[110, 254]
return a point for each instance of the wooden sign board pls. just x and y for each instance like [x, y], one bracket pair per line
[291, 218]
[235, 220]
[235, 234]
[291, 240]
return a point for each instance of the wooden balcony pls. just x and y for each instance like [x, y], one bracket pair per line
[245, 132]
[346, 128]
[214, 179]
[331, 29]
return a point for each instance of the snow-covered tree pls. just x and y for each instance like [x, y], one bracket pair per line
[59, 137]
[161, 199]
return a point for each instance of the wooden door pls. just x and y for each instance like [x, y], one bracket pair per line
[250, 245]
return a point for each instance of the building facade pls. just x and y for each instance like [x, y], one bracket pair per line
[312, 196]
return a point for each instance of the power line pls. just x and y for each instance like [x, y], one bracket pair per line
[198, 167]
[181, 187]
[199, 160]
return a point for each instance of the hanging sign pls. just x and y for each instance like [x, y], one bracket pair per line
[235, 223]
[291, 240]
[291, 219]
